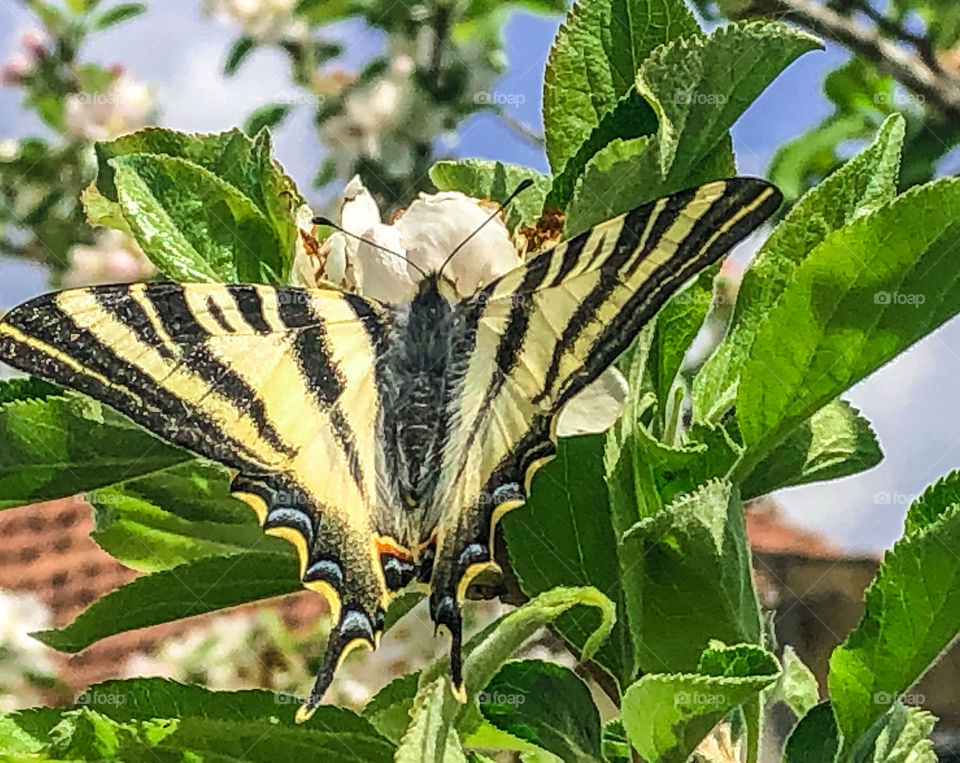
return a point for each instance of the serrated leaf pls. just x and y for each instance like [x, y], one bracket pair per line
[694, 579]
[522, 699]
[797, 687]
[593, 61]
[27, 388]
[484, 654]
[430, 736]
[864, 294]
[912, 616]
[148, 718]
[703, 82]
[835, 442]
[56, 446]
[569, 496]
[389, 709]
[932, 503]
[241, 162]
[484, 179]
[863, 185]
[194, 588]
[192, 225]
[667, 715]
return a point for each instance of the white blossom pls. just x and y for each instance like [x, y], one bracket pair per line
[113, 258]
[126, 105]
[420, 239]
[264, 21]
[22, 656]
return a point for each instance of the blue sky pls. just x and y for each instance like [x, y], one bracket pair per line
[173, 46]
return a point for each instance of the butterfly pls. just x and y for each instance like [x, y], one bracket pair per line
[384, 441]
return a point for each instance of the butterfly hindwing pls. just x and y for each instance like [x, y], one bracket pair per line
[549, 328]
[277, 383]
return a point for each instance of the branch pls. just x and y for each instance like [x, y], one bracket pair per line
[940, 89]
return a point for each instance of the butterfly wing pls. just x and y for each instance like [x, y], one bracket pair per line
[277, 383]
[545, 331]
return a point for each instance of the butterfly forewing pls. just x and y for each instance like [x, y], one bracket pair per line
[276, 383]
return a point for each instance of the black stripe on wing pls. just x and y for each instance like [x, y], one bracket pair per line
[190, 337]
[128, 389]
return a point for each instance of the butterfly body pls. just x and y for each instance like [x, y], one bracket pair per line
[383, 441]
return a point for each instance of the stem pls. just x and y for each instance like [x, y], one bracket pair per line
[940, 89]
[598, 674]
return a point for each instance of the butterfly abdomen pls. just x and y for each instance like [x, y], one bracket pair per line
[421, 372]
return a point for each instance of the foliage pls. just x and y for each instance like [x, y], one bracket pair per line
[632, 548]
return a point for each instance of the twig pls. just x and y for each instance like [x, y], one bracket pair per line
[940, 89]
[522, 130]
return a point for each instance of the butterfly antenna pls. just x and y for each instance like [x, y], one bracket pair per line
[329, 222]
[516, 192]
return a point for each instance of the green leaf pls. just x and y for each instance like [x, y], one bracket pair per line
[430, 735]
[437, 714]
[632, 117]
[148, 538]
[904, 737]
[835, 442]
[863, 185]
[912, 616]
[594, 60]
[60, 446]
[237, 160]
[241, 48]
[864, 294]
[703, 82]
[389, 709]
[678, 323]
[118, 14]
[569, 497]
[695, 579]
[522, 699]
[266, 117]
[933, 503]
[815, 739]
[189, 723]
[797, 687]
[27, 388]
[667, 715]
[192, 225]
[191, 589]
[484, 179]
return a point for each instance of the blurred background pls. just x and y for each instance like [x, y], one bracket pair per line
[384, 89]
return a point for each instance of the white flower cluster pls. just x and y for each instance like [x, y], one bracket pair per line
[23, 659]
[126, 105]
[113, 258]
[423, 235]
[263, 21]
[19, 66]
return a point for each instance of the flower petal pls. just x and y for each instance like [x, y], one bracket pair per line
[595, 407]
[435, 224]
[382, 275]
